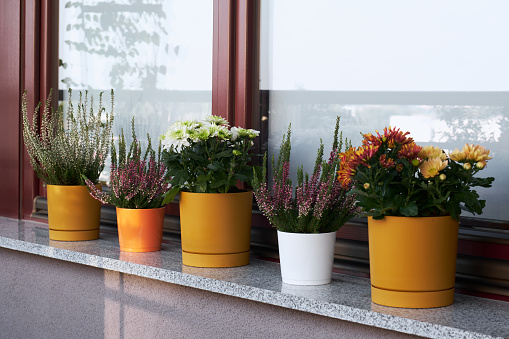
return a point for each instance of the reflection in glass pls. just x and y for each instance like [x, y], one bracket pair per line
[156, 55]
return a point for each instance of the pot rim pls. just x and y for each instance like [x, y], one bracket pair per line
[140, 209]
[229, 193]
[298, 233]
[72, 185]
[401, 216]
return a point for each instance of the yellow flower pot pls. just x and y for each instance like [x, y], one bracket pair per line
[215, 228]
[413, 261]
[73, 215]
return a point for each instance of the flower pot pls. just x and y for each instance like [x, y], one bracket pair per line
[73, 215]
[306, 258]
[215, 228]
[140, 230]
[413, 261]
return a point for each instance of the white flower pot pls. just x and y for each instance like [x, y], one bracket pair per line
[306, 258]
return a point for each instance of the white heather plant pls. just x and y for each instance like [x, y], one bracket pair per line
[63, 153]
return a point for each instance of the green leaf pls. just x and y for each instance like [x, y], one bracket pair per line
[202, 187]
[242, 177]
[224, 154]
[170, 195]
[376, 214]
[218, 179]
[202, 178]
[410, 210]
[455, 213]
[196, 157]
[215, 166]
[178, 178]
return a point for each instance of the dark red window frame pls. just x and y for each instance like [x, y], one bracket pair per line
[29, 61]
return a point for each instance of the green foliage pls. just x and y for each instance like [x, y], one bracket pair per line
[209, 166]
[207, 157]
[61, 153]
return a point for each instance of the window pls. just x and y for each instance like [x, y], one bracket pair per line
[156, 55]
[437, 69]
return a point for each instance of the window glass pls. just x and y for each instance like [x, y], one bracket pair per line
[436, 69]
[156, 55]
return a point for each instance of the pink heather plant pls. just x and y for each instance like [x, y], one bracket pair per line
[320, 205]
[134, 182]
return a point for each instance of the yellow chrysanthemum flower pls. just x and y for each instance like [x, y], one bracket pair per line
[431, 167]
[470, 152]
[457, 155]
[428, 152]
[476, 152]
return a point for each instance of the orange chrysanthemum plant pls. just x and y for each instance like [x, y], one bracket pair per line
[392, 176]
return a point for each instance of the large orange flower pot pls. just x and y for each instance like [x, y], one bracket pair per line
[140, 230]
[413, 261]
[215, 228]
[73, 215]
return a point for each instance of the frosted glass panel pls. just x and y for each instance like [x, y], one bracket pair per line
[156, 55]
[437, 69]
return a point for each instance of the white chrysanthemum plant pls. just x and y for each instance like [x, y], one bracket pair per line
[207, 156]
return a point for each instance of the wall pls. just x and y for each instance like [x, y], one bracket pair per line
[47, 298]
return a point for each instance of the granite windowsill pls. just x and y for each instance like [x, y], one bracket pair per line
[346, 297]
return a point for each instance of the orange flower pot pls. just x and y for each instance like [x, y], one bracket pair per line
[73, 215]
[140, 230]
[413, 261]
[215, 228]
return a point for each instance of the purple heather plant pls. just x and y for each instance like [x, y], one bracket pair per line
[135, 182]
[320, 205]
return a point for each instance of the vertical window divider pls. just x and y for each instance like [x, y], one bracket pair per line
[247, 63]
[223, 59]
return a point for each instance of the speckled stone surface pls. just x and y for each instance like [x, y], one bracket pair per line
[346, 297]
